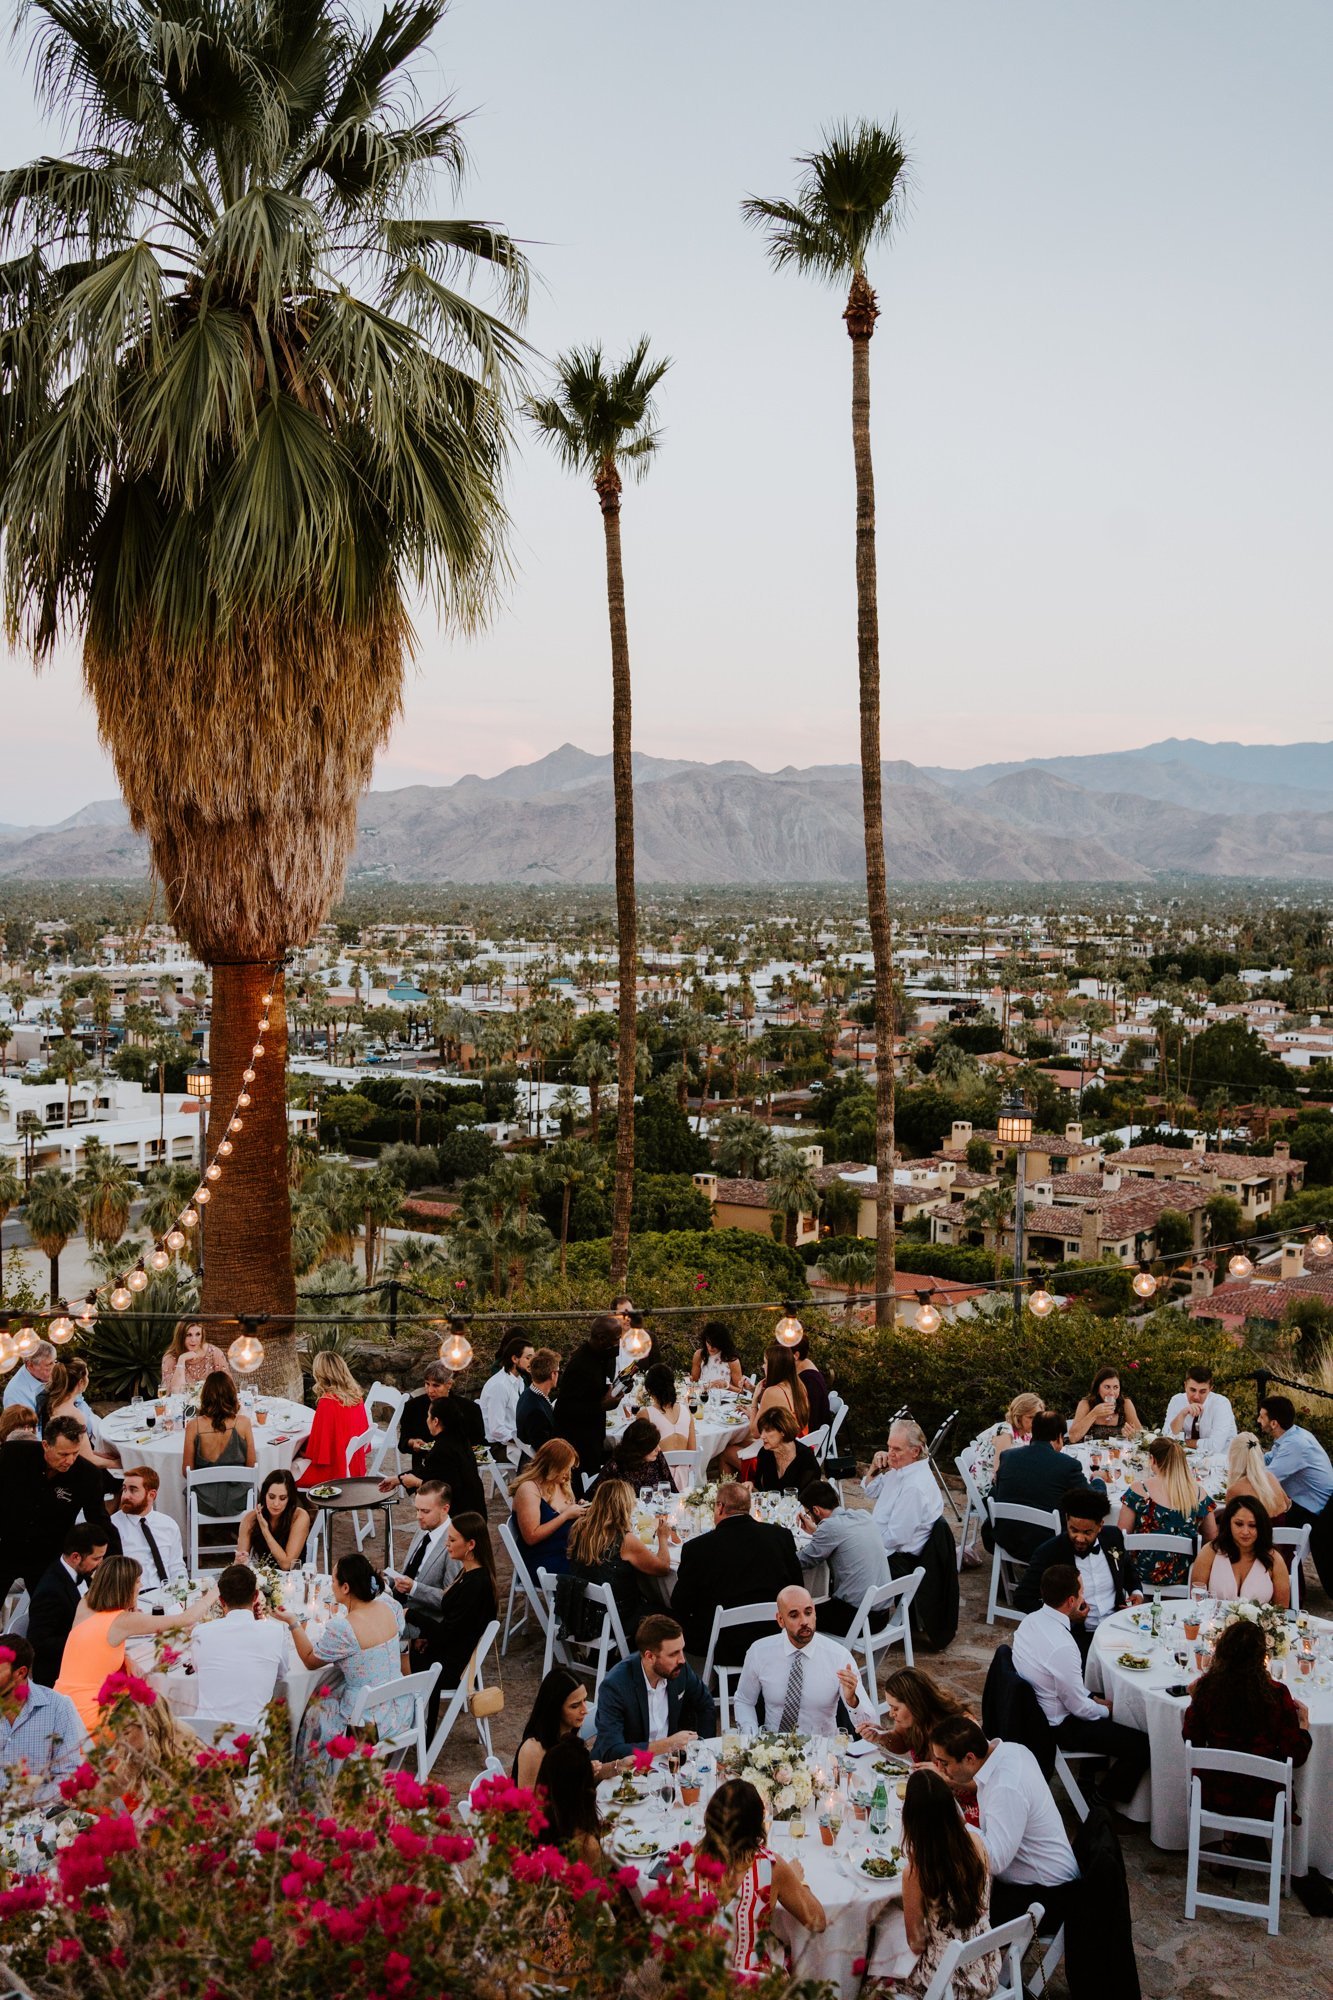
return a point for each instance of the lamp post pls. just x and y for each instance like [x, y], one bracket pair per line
[199, 1083]
[1015, 1129]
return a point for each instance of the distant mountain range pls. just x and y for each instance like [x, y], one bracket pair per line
[1219, 809]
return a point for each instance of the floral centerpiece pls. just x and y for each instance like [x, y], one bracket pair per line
[774, 1763]
[1272, 1622]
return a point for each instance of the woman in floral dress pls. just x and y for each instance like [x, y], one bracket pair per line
[1167, 1503]
[946, 1890]
[361, 1646]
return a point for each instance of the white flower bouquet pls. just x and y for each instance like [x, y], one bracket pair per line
[1271, 1621]
[774, 1763]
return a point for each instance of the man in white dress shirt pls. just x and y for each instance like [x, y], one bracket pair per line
[238, 1658]
[1030, 1856]
[151, 1539]
[801, 1674]
[1199, 1415]
[500, 1392]
[906, 1495]
[1047, 1657]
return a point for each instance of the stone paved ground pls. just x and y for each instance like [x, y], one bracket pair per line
[1218, 1957]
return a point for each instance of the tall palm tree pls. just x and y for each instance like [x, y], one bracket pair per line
[251, 414]
[601, 423]
[381, 1208]
[791, 1191]
[11, 1194]
[107, 1189]
[52, 1214]
[851, 198]
[593, 1066]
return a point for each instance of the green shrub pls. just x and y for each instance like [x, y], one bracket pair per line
[1105, 1288]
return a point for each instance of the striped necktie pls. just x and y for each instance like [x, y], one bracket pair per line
[791, 1707]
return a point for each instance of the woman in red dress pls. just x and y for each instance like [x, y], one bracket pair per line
[340, 1416]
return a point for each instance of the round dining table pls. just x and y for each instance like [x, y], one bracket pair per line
[1141, 1697]
[780, 1509]
[1118, 1466]
[306, 1592]
[279, 1427]
[721, 1417]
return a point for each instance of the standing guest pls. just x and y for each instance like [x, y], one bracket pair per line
[715, 1363]
[360, 1646]
[65, 1395]
[636, 1457]
[453, 1430]
[238, 1658]
[544, 1507]
[604, 1549]
[189, 1360]
[1038, 1477]
[1047, 1657]
[1198, 1415]
[42, 1737]
[1242, 1562]
[780, 1388]
[1105, 1412]
[57, 1597]
[18, 1421]
[667, 1410]
[799, 1674]
[501, 1391]
[1167, 1503]
[906, 1496]
[946, 1890]
[739, 1561]
[273, 1534]
[849, 1541]
[1238, 1706]
[107, 1617]
[587, 1390]
[467, 1605]
[220, 1435]
[1014, 1428]
[560, 1709]
[414, 1439]
[340, 1417]
[1249, 1478]
[750, 1882]
[783, 1464]
[1030, 1857]
[534, 1419]
[916, 1705]
[1107, 1570]
[29, 1379]
[1297, 1458]
[151, 1539]
[814, 1383]
[655, 1701]
[44, 1487]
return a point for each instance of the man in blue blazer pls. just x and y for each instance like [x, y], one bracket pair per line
[655, 1702]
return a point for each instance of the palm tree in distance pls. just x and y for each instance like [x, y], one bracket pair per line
[600, 422]
[52, 1213]
[851, 198]
[252, 414]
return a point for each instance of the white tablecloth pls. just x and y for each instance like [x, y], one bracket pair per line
[723, 1417]
[308, 1593]
[284, 1426]
[1140, 1699]
[780, 1508]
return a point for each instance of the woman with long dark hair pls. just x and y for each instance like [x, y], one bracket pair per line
[468, 1605]
[715, 1363]
[219, 1435]
[636, 1457]
[273, 1535]
[360, 1645]
[1238, 1706]
[1105, 1412]
[1242, 1562]
[567, 1780]
[747, 1878]
[781, 1388]
[946, 1889]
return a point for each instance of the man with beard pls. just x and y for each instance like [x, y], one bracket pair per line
[656, 1702]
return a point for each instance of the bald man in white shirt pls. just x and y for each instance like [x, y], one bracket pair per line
[800, 1674]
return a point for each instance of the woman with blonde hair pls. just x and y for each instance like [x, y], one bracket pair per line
[340, 1416]
[65, 1395]
[603, 1548]
[1249, 1478]
[1167, 1503]
[1014, 1428]
[544, 1508]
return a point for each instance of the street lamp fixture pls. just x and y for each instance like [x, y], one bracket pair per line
[1015, 1129]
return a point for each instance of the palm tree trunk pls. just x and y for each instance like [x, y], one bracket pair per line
[248, 1265]
[622, 775]
[54, 1262]
[860, 315]
[564, 1224]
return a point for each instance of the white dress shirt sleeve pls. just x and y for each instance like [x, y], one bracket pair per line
[1004, 1819]
[749, 1689]
[499, 1405]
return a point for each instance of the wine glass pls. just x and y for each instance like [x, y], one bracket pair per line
[150, 1423]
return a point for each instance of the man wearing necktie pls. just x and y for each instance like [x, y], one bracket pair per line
[151, 1539]
[800, 1674]
[428, 1571]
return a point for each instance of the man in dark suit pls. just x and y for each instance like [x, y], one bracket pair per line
[655, 1702]
[586, 1392]
[53, 1604]
[742, 1561]
[43, 1489]
[1108, 1571]
[534, 1419]
[1037, 1475]
[459, 1418]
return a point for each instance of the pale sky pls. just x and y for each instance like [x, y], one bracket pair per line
[1102, 402]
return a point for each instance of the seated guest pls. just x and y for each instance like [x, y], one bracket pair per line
[560, 1709]
[906, 1495]
[44, 1487]
[946, 1887]
[1014, 1428]
[916, 1706]
[1297, 1458]
[453, 1432]
[653, 1702]
[814, 1383]
[1107, 1570]
[1167, 1502]
[750, 1881]
[1242, 1561]
[1104, 1412]
[29, 1379]
[1238, 1706]
[783, 1464]
[1198, 1415]
[636, 1458]
[501, 1392]
[143, 1741]
[153, 1540]
[780, 1388]
[739, 1561]
[604, 1549]
[467, 1605]
[65, 1395]
[41, 1733]
[1038, 1477]
[428, 1571]
[273, 1535]
[1249, 1478]
[189, 1360]
[340, 1417]
[668, 1413]
[221, 1434]
[359, 1646]
[567, 1782]
[800, 1675]
[534, 1418]
[1030, 1857]
[107, 1617]
[1047, 1657]
[715, 1363]
[238, 1658]
[587, 1390]
[848, 1540]
[18, 1421]
[53, 1604]
[544, 1507]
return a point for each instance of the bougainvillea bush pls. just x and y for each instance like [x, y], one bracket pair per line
[203, 1876]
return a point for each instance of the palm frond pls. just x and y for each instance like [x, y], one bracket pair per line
[598, 416]
[851, 197]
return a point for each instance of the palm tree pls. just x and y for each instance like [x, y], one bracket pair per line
[791, 1191]
[11, 1194]
[850, 199]
[592, 1065]
[414, 1091]
[569, 1164]
[107, 1190]
[252, 415]
[30, 1126]
[600, 421]
[52, 1214]
[6, 1037]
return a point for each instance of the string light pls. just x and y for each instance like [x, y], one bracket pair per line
[244, 1100]
[927, 1319]
[246, 1353]
[225, 1150]
[161, 1257]
[1321, 1243]
[1041, 1302]
[188, 1218]
[236, 1125]
[638, 1341]
[9, 1353]
[121, 1296]
[456, 1348]
[213, 1172]
[788, 1332]
[174, 1240]
[202, 1196]
[1239, 1266]
[26, 1342]
[1145, 1284]
[88, 1311]
[138, 1279]
[61, 1329]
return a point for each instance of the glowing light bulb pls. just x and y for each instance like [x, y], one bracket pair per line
[9, 1354]
[88, 1312]
[61, 1329]
[225, 1149]
[189, 1218]
[264, 1025]
[638, 1342]
[1041, 1303]
[174, 1240]
[247, 1076]
[246, 1353]
[202, 1195]
[160, 1258]
[26, 1341]
[1321, 1243]
[456, 1350]
[237, 1125]
[138, 1279]
[1144, 1284]
[1239, 1266]
[244, 1100]
[266, 999]
[927, 1319]
[121, 1297]
[257, 1051]
[213, 1172]
[788, 1330]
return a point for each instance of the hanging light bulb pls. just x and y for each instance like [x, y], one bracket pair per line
[9, 1354]
[225, 1149]
[138, 1279]
[160, 1258]
[257, 1051]
[61, 1329]
[246, 1353]
[1145, 1284]
[88, 1311]
[248, 1076]
[174, 1241]
[927, 1317]
[264, 1025]
[202, 1195]
[1239, 1266]
[266, 999]
[244, 1100]
[213, 1171]
[788, 1332]
[121, 1296]
[237, 1125]
[456, 1348]
[1321, 1243]
[638, 1341]
[189, 1218]
[26, 1341]
[1041, 1302]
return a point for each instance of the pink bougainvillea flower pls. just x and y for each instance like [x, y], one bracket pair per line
[261, 1951]
[643, 1760]
[267, 1841]
[340, 1746]
[128, 1687]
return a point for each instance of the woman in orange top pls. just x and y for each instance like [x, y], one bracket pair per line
[340, 1416]
[103, 1622]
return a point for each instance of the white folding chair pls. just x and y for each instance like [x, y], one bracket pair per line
[1276, 1830]
[1064, 1762]
[596, 1655]
[818, 1441]
[688, 1468]
[1011, 1940]
[838, 1416]
[376, 1444]
[974, 1513]
[315, 1554]
[896, 1630]
[1165, 1545]
[409, 1737]
[14, 1617]
[723, 1618]
[381, 1396]
[1007, 1570]
[498, 1473]
[519, 1581]
[454, 1700]
[198, 1477]
[1295, 1546]
[931, 1449]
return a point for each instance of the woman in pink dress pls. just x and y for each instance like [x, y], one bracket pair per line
[189, 1360]
[340, 1416]
[749, 1881]
[1242, 1562]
